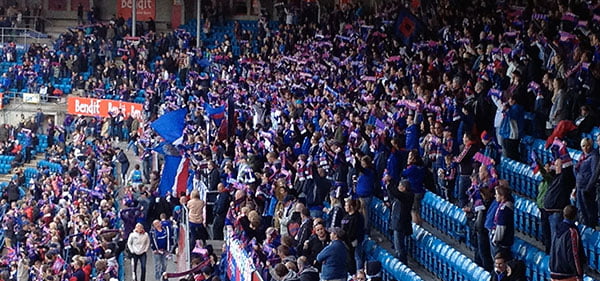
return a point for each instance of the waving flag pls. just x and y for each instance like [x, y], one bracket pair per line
[170, 126]
[175, 175]
[216, 114]
[407, 26]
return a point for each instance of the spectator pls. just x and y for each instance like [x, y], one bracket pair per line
[567, 256]
[512, 128]
[138, 244]
[559, 191]
[584, 186]
[162, 238]
[334, 257]
[465, 161]
[402, 202]
[317, 242]
[306, 272]
[354, 229]
[415, 174]
[196, 217]
[503, 231]
[500, 272]
[220, 211]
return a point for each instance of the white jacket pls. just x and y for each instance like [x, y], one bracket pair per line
[138, 243]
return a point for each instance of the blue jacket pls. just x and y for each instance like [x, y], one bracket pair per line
[333, 260]
[415, 175]
[412, 137]
[584, 171]
[513, 123]
[365, 183]
[161, 240]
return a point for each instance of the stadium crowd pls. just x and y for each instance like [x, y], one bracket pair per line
[328, 113]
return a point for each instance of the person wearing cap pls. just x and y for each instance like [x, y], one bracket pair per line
[333, 258]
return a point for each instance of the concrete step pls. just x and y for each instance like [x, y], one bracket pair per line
[217, 246]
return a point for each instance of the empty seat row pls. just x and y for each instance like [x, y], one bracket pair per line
[528, 217]
[392, 268]
[53, 167]
[521, 177]
[446, 216]
[443, 260]
[439, 258]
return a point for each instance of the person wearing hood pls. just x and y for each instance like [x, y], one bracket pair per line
[503, 232]
[281, 273]
[306, 272]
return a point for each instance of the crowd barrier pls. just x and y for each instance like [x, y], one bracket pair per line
[240, 264]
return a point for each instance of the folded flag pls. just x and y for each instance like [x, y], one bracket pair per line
[170, 126]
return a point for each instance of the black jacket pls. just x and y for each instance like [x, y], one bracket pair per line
[221, 204]
[400, 217]
[559, 190]
[567, 257]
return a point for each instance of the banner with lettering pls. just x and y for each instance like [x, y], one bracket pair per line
[102, 107]
[145, 9]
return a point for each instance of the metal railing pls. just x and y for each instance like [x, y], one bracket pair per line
[185, 227]
[24, 36]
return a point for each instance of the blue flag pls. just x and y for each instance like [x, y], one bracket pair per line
[170, 126]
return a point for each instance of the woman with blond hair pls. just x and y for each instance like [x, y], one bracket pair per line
[138, 244]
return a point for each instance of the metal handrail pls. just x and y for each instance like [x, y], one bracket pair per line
[20, 33]
[185, 226]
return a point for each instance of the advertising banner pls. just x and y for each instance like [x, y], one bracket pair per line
[102, 107]
[31, 98]
[145, 9]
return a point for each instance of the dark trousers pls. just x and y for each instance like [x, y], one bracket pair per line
[511, 149]
[483, 256]
[545, 221]
[134, 261]
[587, 207]
[217, 228]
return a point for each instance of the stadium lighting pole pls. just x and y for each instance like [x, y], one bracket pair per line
[133, 17]
[198, 4]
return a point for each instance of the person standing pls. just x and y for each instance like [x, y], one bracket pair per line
[585, 185]
[124, 162]
[402, 202]
[333, 257]
[503, 232]
[220, 211]
[138, 244]
[162, 238]
[567, 257]
[80, 14]
[353, 225]
[196, 218]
